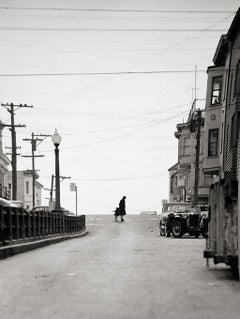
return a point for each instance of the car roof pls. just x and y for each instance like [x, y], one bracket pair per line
[7, 203]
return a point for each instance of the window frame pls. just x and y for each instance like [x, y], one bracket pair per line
[210, 143]
[235, 128]
[220, 90]
[27, 187]
[237, 80]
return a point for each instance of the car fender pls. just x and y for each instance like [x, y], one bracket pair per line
[181, 219]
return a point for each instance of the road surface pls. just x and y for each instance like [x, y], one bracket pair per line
[119, 270]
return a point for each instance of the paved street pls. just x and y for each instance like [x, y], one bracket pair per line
[119, 270]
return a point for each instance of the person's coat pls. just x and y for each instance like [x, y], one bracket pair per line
[122, 207]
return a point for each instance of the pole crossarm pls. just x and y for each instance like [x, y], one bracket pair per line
[30, 139]
[15, 125]
[6, 105]
[10, 147]
[41, 155]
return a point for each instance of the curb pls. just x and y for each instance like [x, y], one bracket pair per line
[11, 250]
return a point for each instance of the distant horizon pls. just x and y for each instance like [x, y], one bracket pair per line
[131, 213]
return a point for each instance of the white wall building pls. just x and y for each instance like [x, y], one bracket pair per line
[4, 163]
[25, 190]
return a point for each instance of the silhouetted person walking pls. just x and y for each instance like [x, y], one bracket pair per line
[122, 208]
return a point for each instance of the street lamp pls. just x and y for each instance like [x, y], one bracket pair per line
[56, 139]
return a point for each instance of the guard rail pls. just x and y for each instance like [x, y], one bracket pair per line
[18, 225]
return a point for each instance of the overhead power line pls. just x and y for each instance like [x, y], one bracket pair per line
[120, 178]
[101, 73]
[108, 29]
[112, 10]
[123, 135]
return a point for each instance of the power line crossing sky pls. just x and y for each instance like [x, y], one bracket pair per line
[114, 78]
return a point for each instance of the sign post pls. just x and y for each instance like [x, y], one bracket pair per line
[73, 188]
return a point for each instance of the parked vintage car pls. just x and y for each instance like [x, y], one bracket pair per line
[7, 203]
[40, 208]
[181, 218]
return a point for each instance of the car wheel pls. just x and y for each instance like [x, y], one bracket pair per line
[204, 234]
[177, 228]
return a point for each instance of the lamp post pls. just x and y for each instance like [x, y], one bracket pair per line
[56, 139]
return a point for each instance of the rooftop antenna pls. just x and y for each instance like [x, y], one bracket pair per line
[195, 89]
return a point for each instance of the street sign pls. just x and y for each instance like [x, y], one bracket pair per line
[73, 187]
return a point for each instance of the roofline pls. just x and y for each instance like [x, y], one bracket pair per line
[173, 167]
[27, 171]
[6, 159]
[222, 47]
[234, 25]
[39, 184]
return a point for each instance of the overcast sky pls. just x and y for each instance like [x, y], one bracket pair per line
[99, 76]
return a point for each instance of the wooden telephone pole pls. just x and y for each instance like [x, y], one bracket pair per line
[196, 124]
[11, 108]
[35, 141]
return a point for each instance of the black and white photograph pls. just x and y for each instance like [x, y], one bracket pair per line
[119, 159]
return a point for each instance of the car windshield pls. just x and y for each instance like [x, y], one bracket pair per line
[180, 208]
[204, 208]
[44, 208]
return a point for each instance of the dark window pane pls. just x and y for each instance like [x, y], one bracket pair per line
[237, 84]
[235, 129]
[213, 142]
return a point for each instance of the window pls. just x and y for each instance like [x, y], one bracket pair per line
[235, 128]
[216, 90]
[171, 184]
[186, 146]
[222, 138]
[213, 142]
[237, 81]
[207, 180]
[27, 187]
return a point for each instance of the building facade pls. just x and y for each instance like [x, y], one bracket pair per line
[25, 189]
[187, 181]
[4, 163]
[222, 147]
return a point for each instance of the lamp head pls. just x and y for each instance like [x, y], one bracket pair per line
[56, 138]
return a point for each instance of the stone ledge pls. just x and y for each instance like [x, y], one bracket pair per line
[11, 250]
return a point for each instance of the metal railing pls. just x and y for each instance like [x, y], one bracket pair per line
[18, 225]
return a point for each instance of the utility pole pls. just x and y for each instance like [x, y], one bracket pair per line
[195, 84]
[34, 140]
[51, 190]
[10, 108]
[196, 125]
